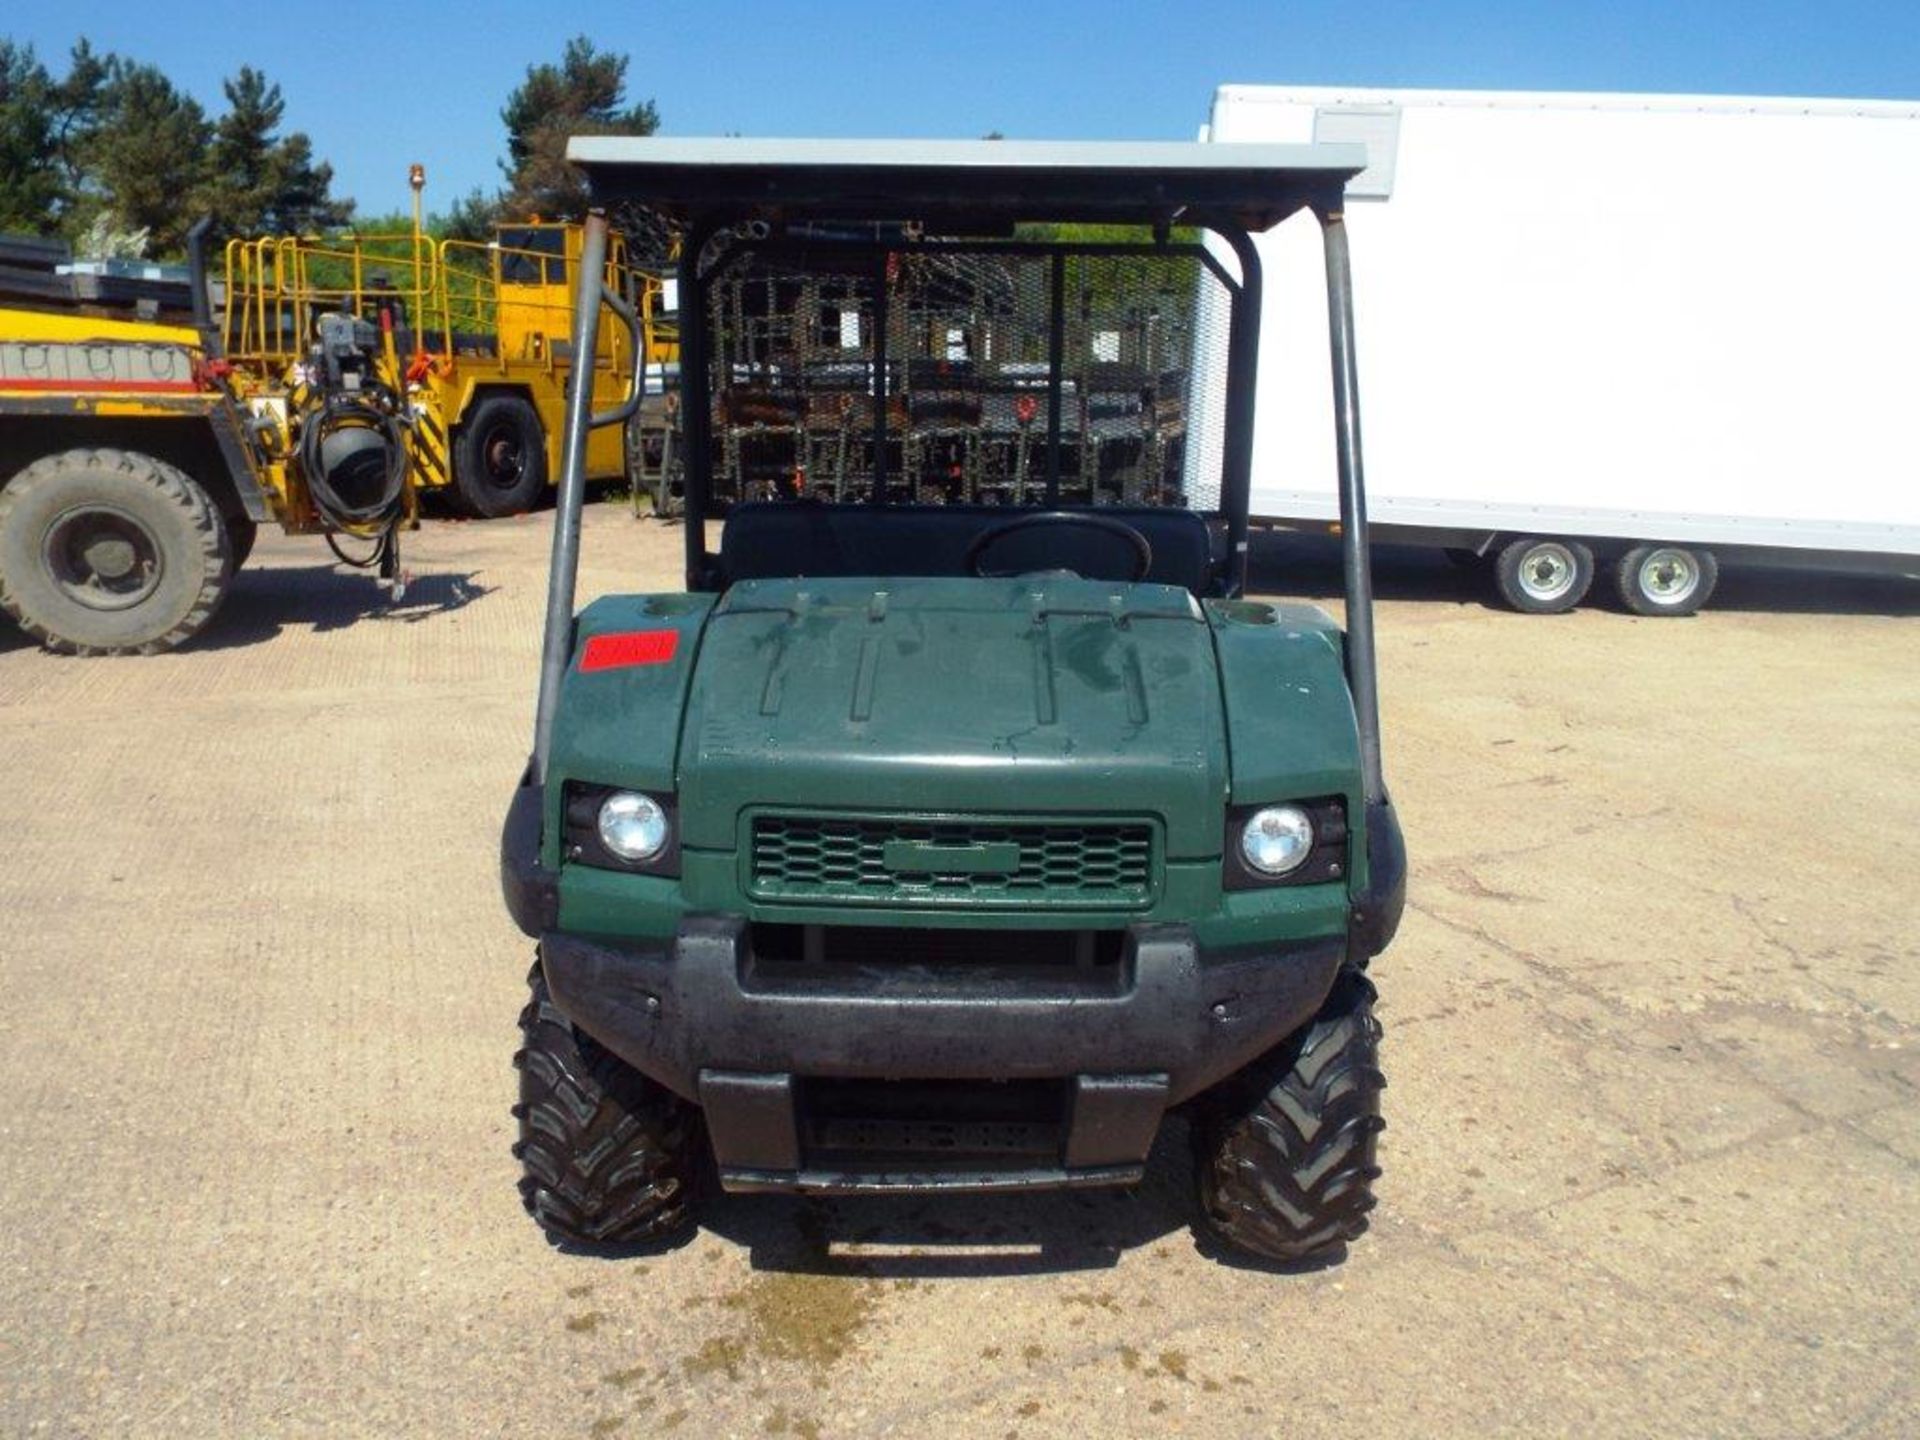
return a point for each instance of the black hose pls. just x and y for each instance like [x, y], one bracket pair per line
[361, 562]
[338, 410]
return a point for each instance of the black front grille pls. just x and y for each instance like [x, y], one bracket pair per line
[1017, 864]
[937, 960]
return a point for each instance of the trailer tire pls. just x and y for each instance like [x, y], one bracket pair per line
[1666, 579]
[500, 461]
[1541, 575]
[1284, 1151]
[608, 1156]
[110, 552]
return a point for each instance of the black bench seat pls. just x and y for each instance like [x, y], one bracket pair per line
[776, 539]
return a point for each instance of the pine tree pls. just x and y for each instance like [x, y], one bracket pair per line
[29, 182]
[243, 180]
[472, 219]
[585, 94]
[145, 159]
[77, 101]
[262, 184]
[113, 147]
[303, 202]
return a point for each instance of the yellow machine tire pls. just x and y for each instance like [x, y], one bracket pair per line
[110, 552]
[500, 458]
[241, 533]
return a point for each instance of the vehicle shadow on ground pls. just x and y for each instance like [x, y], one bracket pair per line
[928, 1237]
[978, 1236]
[328, 597]
[1286, 563]
[1806, 593]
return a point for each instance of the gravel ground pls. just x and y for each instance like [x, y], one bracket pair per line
[1653, 1034]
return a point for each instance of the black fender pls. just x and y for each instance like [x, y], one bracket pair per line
[1376, 911]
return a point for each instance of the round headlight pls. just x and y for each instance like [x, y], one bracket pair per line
[1277, 840]
[632, 826]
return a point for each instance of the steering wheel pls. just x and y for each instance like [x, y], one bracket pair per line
[1106, 525]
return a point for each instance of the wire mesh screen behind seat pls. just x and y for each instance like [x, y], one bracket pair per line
[1013, 375]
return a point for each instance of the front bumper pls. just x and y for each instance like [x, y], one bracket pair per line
[754, 1040]
[708, 1019]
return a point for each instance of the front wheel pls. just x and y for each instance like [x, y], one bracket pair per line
[1284, 1151]
[110, 552]
[608, 1157]
[1666, 579]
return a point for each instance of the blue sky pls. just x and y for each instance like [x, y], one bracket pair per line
[381, 86]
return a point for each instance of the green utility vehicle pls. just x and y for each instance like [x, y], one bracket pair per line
[961, 820]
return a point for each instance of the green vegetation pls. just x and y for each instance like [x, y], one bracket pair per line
[1124, 288]
[585, 94]
[113, 151]
[113, 146]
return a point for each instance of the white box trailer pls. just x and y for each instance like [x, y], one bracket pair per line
[1606, 333]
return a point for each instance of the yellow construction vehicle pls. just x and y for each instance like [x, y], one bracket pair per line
[480, 334]
[143, 439]
[135, 472]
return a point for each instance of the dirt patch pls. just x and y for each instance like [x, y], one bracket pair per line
[814, 1320]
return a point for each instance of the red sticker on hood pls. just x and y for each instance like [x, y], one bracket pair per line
[629, 647]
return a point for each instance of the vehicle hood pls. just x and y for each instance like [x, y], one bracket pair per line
[1031, 695]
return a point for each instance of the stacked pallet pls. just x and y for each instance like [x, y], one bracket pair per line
[41, 272]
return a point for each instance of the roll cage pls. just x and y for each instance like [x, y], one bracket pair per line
[862, 205]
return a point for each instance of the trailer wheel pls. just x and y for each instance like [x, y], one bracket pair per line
[1543, 576]
[1666, 579]
[1284, 1151]
[608, 1157]
[110, 552]
[500, 463]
